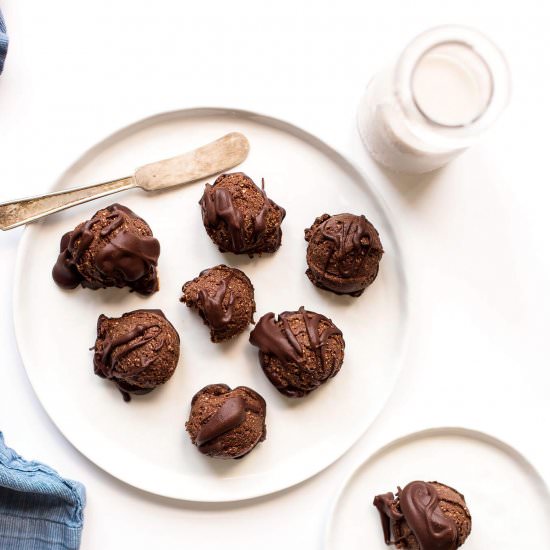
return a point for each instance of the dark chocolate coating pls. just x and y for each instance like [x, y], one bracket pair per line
[239, 217]
[138, 351]
[299, 351]
[114, 248]
[224, 298]
[424, 516]
[226, 423]
[343, 253]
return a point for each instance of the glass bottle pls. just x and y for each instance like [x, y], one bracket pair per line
[447, 87]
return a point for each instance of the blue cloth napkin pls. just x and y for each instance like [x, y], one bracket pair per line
[39, 510]
[3, 42]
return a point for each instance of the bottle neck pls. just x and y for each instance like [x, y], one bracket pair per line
[450, 83]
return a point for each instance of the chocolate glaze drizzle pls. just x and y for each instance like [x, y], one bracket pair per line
[117, 218]
[217, 205]
[232, 412]
[347, 232]
[259, 220]
[272, 338]
[419, 505]
[230, 415]
[128, 256]
[114, 349]
[212, 307]
[268, 336]
[64, 271]
[388, 515]
[318, 340]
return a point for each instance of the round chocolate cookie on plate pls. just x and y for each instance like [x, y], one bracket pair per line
[226, 423]
[424, 516]
[343, 253]
[239, 217]
[138, 351]
[224, 298]
[299, 351]
[114, 248]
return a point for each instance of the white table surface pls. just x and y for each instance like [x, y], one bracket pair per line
[475, 233]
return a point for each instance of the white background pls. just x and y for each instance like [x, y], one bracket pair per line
[475, 234]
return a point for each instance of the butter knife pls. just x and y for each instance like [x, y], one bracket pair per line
[213, 158]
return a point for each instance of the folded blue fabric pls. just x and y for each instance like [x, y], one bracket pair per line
[3, 42]
[39, 510]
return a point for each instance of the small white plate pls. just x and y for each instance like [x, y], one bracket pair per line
[508, 499]
[144, 442]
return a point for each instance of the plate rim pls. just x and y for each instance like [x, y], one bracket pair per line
[297, 131]
[436, 431]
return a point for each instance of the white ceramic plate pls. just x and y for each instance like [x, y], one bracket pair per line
[144, 443]
[508, 500]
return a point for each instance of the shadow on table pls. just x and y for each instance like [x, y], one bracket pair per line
[413, 188]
